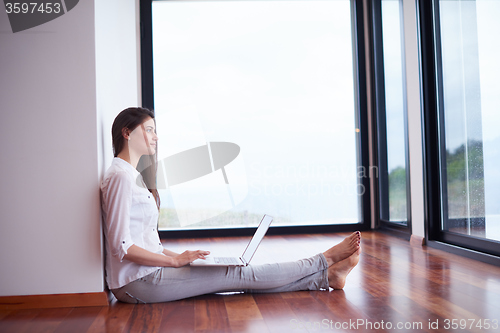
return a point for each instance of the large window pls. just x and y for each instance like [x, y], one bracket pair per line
[468, 139]
[470, 136]
[256, 113]
[391, 112]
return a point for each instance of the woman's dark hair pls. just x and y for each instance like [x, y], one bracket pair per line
[130, 118]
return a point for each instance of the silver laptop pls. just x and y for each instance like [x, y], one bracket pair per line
[247, 255]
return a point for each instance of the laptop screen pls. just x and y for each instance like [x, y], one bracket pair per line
[257, 238]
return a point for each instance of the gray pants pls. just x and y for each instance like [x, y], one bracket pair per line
[170, 284]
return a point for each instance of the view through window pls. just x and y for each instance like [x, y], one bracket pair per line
[255, 112]
[471, 140]
[395, 110]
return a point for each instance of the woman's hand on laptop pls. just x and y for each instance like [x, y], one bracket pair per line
[187, 257]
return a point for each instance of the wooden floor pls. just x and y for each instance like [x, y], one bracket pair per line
[395, 288]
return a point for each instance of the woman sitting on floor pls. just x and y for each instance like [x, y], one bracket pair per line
[139, 269]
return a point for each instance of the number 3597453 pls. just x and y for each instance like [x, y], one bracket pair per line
[32, 8]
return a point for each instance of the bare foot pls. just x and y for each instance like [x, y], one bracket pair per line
[337, 273]
[344, 249]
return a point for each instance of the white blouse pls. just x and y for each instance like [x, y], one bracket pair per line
[130, 218]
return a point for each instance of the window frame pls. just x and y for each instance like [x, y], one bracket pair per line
[482, 249]
[147, 88]
[380, 116]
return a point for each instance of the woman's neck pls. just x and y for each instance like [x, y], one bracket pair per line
[130, 158]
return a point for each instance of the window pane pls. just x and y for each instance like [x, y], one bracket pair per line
[395, 109]
[255, 112]
[471, 118]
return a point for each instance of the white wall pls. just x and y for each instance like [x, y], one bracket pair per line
[62, 83]
[118, 66]
[414, 117]
[50, 238]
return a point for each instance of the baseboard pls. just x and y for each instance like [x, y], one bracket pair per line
[417, 241]
[54, 301]
[467, 253]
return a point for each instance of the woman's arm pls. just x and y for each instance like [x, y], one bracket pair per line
[144, 257]
[170, 253]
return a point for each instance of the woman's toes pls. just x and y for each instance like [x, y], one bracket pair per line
[344, 249]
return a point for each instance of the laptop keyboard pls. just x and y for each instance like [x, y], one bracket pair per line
[227, 260]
